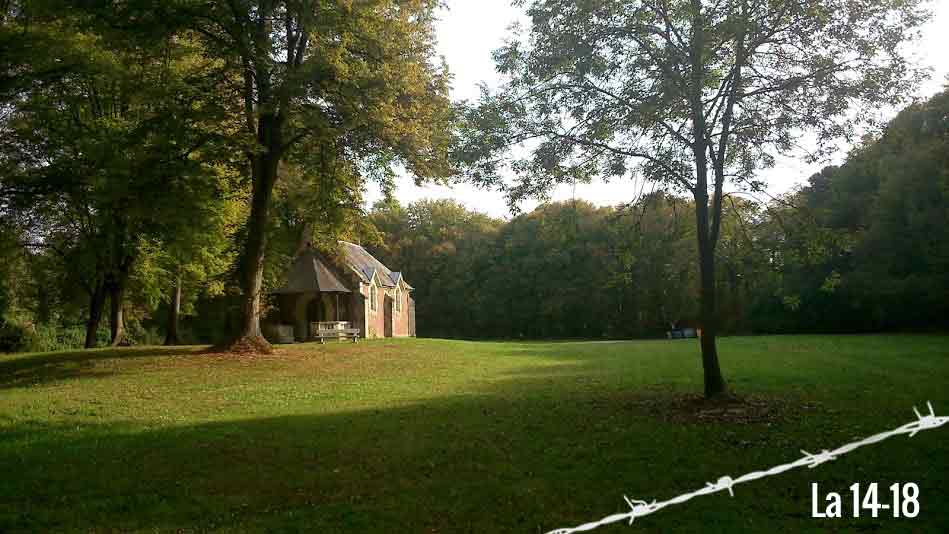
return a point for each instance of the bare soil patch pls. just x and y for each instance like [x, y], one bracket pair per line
[688, 408]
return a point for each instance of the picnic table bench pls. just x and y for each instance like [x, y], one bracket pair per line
[337, 333]
[684, 333]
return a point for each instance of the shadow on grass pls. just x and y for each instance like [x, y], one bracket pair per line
[522, 457]
[37, 369]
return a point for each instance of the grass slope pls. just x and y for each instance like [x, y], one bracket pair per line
[440, 436]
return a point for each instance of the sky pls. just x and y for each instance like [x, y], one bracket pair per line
[469, 30]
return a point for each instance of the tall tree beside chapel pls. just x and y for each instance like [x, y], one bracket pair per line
[358, 79]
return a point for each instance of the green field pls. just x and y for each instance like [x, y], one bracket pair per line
[436, 436]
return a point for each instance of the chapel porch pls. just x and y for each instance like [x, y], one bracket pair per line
[315, 302]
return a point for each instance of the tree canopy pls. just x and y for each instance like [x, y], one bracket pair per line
[860, 247]
[689, 93]
[354, 81]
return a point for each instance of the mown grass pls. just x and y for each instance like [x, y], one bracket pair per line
[440, 436]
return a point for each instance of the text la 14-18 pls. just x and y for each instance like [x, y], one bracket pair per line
[903, 501]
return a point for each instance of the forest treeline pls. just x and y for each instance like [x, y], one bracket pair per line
[860, 247]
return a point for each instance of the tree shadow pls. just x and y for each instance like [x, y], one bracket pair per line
[38, 369]
[518, 456]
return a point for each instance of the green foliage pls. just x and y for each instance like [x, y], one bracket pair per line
[15, 337]
[116, 161]
[442, 249]
[686, 93]
[130, 144]
[22, 336]
[863, 247]
[867, 246]
[683, 92]
[48, 338]
[563, 270]
[347, 91]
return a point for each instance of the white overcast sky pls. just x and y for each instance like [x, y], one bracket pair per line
[469, 30]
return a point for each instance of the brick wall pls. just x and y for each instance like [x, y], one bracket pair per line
[385, 304]
[400, 322]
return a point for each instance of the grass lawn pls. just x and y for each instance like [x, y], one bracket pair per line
[434, 436]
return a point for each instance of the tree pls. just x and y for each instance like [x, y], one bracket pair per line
[690, 93]
[874, 254]
[356, 77]
[444, 250]
[103, 155]
[194, 247]
[653, 264]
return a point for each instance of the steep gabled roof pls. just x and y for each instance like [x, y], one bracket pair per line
[397, 277]
[311, 273]
[364, 264]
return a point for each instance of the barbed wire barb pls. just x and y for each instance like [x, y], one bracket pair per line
[640, 508]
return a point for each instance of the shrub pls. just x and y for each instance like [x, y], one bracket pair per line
[51, 338]
[15, 336]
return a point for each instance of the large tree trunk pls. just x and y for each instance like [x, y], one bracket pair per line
[252, 262]
[174, 310]
[116, 315]
[264, 172]
[96, 303]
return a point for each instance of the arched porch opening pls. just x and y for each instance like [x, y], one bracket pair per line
[319, 307]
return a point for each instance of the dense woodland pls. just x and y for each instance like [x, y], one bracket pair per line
[861, 247]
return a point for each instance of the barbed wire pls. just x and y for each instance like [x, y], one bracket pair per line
[639, 508]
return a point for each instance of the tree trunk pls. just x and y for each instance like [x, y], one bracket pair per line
[174, 309]
[714, 382]
[116, 316]
[264, 172]
[252, 263]
[96, 303]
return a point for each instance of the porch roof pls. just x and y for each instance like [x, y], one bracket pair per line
[310, 273]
